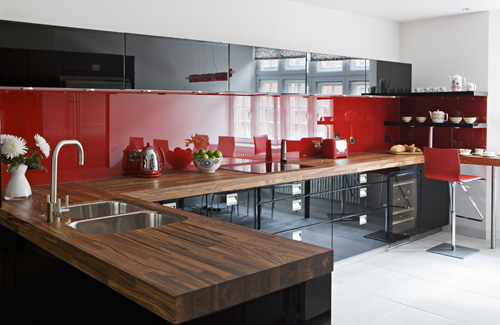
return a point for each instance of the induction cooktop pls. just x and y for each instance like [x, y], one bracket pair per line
[265, 167]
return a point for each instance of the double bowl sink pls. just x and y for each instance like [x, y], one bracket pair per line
[113, 216]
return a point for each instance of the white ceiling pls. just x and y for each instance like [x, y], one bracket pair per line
[405, 10]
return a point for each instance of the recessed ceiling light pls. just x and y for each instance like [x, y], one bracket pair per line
[465, 9]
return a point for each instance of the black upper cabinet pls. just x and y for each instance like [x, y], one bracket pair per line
[13, 67]
[388, 77]
[163, 63]
[336, 75]
[48, 56]
[34, 55]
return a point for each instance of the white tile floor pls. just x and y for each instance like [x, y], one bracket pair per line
[407, 285]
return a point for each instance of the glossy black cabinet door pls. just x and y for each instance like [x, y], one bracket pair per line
[388, 77]
[333, 75]
[48, 56]
[13, 67]
[262, 70]
[164, 63]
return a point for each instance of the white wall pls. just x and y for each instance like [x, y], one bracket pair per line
[269, 23]
[467, 45]
[438, 48]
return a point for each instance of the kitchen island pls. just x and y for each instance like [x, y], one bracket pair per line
[199, 266]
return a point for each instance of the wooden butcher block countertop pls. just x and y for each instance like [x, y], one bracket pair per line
[191, 268]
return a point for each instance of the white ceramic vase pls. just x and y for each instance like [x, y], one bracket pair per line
[18, 187]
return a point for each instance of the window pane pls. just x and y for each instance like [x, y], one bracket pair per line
[242, 116]
[268, 65]
[323, 66]
[330, 88]
[357, 87]
[295, 64]
[297, 115]
[295, 86]
[268, 86]
[358, 64]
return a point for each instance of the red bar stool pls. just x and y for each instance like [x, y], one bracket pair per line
[444, 165]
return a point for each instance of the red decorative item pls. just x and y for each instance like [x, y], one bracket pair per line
[179, 159]
[130, 160]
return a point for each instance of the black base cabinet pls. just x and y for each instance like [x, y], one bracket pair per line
[351, 214]
[38, 288]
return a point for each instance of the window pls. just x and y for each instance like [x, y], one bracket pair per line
[242, 116]
[295, 64]
[357, 87]
[329, 66]
[268, 86]
[357, 65]
[323, 108]
[297, 118]
[294, 86]
[330, 88]
[267, 118]
[269, 65]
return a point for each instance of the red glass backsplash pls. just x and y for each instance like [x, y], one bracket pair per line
[444, 137]
[105, 121]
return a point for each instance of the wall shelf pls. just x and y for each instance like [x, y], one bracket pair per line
[442, 125]
[433, 94]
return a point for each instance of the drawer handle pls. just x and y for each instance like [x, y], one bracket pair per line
[232, 199]
[363, 178]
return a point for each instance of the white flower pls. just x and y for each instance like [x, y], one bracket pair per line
[13, 146]
[4, 137]
[43, 145]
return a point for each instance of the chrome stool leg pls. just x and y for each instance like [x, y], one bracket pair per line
[452, 249]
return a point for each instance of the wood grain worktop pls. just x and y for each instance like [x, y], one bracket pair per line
[192, 268]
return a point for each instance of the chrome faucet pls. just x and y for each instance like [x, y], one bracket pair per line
[54, 208]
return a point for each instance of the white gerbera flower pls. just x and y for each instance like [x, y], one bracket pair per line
[14, 146]
[43, 145]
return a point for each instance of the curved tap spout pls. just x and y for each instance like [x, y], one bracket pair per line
[55, 208]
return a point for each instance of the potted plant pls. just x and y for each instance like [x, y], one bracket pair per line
[19, 157]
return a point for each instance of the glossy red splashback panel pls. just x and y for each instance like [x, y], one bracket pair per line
[363, 118]
[105, 121]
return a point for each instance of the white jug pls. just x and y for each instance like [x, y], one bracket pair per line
[458, 83]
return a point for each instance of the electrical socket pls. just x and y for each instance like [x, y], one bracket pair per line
[353, 140]
[387, 138]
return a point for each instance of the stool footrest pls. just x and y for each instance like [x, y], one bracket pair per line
[469, 218]
[459, 251]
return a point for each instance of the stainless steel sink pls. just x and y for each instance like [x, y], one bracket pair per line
[124, 222]
[100, 209]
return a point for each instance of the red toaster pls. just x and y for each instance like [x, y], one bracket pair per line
[335, 148]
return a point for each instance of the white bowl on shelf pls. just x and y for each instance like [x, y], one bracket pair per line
[470, 120]
[406, 118]
[456, 120]
[421, 119]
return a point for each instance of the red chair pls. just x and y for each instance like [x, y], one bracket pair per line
[444, 165]
[137, 141]
[163, 144]
[226, 146]
[259, 142]
[309, 145]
